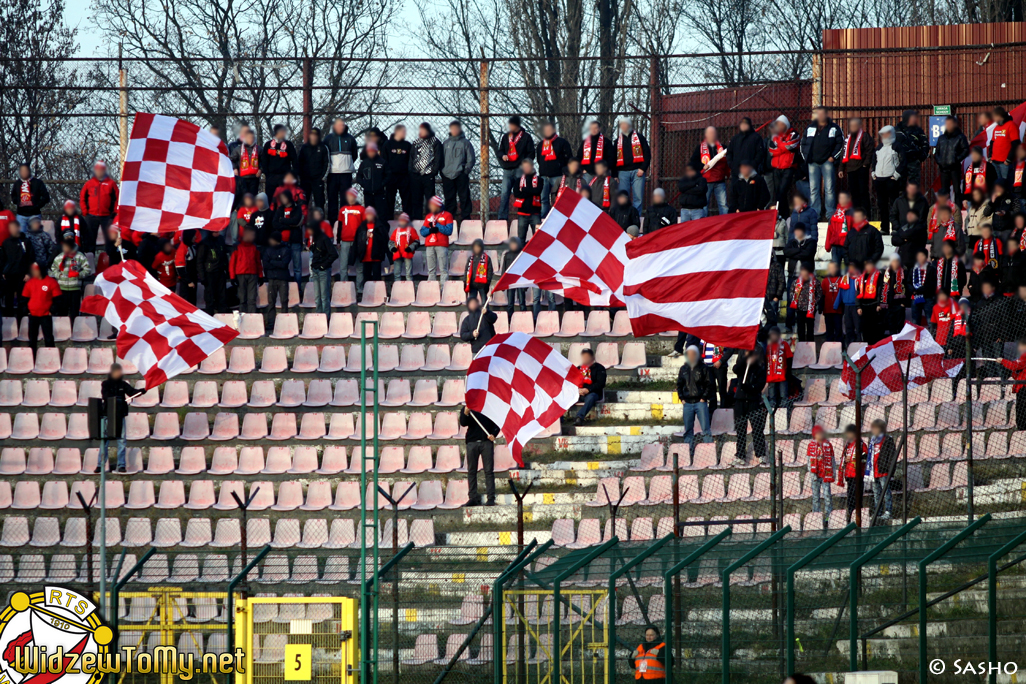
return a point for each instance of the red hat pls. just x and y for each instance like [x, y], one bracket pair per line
[818, 430]
[100, 164]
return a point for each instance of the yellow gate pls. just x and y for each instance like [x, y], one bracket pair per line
[298, 639]
[530, 621]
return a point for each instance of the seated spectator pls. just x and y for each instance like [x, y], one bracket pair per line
[694, 191]
[659, 214]
[593, 389]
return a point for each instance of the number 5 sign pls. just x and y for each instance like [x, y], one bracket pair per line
[298, 659]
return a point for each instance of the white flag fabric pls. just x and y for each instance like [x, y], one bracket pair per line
[883, 364]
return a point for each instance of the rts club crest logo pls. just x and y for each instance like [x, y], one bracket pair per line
[55, 635]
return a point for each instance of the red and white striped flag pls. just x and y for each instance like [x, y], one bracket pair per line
[913, 351]
[158, 331]
[705, 277]
[522, 385]
[578, 252]
[177, 176]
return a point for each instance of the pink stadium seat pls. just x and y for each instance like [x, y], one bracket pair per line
[598, 324]
[456, 495]
[149, 399]
[418, 325]
[523, 322]
[651, 458]
[815, 392]
[563, 532]
[21, 362]
[68, 462]
[633, 490]
[419, 461]
[589, 533]
[829, 357]
[172, 494]
[503, 459]
[411, 358]
[86, 390]
[204, 394]
[196, 426]
[10, 392]
[75, 361]
[391, 325]
[286, 326]
[343, 294]
[633, 356]
[347, 496]
[453, 392]
[447, 425]
[607, 354]
[165, 425]
[251, 326]
[216, 363]
[10, 329]
[547, 324]
[424, 394]
[443, 325]
[283, 426]
[84, 329]
[447, 460]
[340, 326]
[12, 461]
[470, 230]
[373, 294]
[458, 263]
[251, 461]
[572, 324]
[462, 355]
[347, 392]
[398, 393]
[355, 362]
[61, 328]
[290, 497]
[305, 359]
[437, 358]
[333, 359]
[452, 293]
[233, 393]
[243, 361]
[26, 426]
[40, 461]
[495, 232]
[430, 496]
[320, 392]
[140, 495]
[388, 358]
[608, 488]
[341, 426]
[315, 326]
[273, 360]
[804, 354]
[429, 294]
[100, 360]
[621, 325]
[312, 426]
[48, 361]
[293, 393]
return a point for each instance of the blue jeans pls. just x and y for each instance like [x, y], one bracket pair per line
[700, 409]
[1003, 170]
[878, 489]
[101, 457]
[23, 221]
[509, 176]
[397, 269]
[838, 254]
[821, 493]
[823, 178]
[550, 298]
[692, 214]
[918, 309]
[720, 191]
[777, 393]
[590, 400]
[322, 283]
[297, 262]
[634, 184]
[549, 185]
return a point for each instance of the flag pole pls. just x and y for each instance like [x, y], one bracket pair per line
[481, 317]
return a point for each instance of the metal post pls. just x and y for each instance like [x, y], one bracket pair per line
[654, 133]
[229, 601]
[395, 584]
[122, 110]
[88, 508]
[674, 572]
[369, 591]
[808, 558]
[557, 642]
[853, 588]
[103, 462]
[611, 596]
[725, 578]
[118, 583]
[992, 572]
[523, 559]
[675, 489]
[485, 174]
[904, 434]
[969, 421]
[243, 536]
[521, 631]
[307, 98]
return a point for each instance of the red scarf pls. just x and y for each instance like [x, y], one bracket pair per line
[705, 153]
[976, 177]
[810, 307]
[1019, 167]
[586, 372]
[64, 260]
[953, 285]
[776, 362]
[535, 199]
[587, 149]
[274, 151]
[990, 248]
[562, 186]
[636, 151]
[511, 153]
[605, 191]
[840, 221]
[25, 199]
[899, 286]
[1022, 240]
[548, 151]
[71, 224]
[865, 285]
[853, 151]
[932, 225]
[249, 164]
[477, 271]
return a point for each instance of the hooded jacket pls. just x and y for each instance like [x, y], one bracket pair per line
[951, 149]
[44, 248]
[485, 332]
[343, 151]
[17, 257]
[457, 156]
[625, 215]
[70, 270]
[397, 152]
[746, 147]
[820, 143]
[322, 253]
[373, 175]
[99, 197]
[889, 157]
[783, 147]
[276, 261]
[313, 162]
[864, 243]
[913, 139]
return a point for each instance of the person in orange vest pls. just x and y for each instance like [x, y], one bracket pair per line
[650, 656]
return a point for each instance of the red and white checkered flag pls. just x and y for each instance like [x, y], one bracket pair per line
[158, 331]
[579, 252]
[912, 351]
[522, 385]
[177, 176]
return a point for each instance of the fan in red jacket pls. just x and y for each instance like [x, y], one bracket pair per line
[404, 242]
[821, 469]
[98, 201]
[837, 229]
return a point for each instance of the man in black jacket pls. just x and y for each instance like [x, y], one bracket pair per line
[914, 142]
[397, 155]
[693, 189]
[116, 393]
[951, 150]
[374, 177]
[774, 292]
[595, 147]
[631, 159]
[554, 154]
[911, 200]
[28, 197]
[750, 369]
[313, 164]
[322, 255]
[800, 252]
[16, 257]
[516, 293]
[695, 387]
[481, 434]
[659, 214]
[212, 266]
[262, 220]
[748, 192]
[746, 147]
[277, 158]
[864, 242]
[343, 150]
[288, 220]
[276, 259]
[822, 146]
[515, 146]
[478, 327]
[909, 236]
[594, 386]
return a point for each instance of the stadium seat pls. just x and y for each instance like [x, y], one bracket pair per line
[48, 361]
[589, 533]
[340, 326]
[373, 294]
[452, 293]
[347, 496]
[273, 360]
[453, 392]
[446, 425]
[243, 362]
[443, 325]
[572, 324]
[804, 354]
[341, 427]
[446, 461]
[563, 532]
[84, 329]
[458, 263]
[75, 361]
[829, 357]
[343, 294]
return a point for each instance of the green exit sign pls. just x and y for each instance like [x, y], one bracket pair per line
[942, 110]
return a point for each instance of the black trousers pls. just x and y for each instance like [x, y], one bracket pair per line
[68, 304]
[380, 204]
[852, 495]
[485, 453]
[215, 293]
[93, 225]
[895, 319]
[277, 290]
[858, 188]
[11, 291]
[422, 188]
[247, 292]
[37, 323]
[781, 181]
[457, 190]
[371, 271]
[834, 329]
[1020, 409]
[887, 190]
[872, 325]
[806, 328]
[747, 411]
[314, 190]
[273, 181]
[852, 324]
[400, 185]
[338, 183]
[187, 293]
[246, 185]
[951, 177]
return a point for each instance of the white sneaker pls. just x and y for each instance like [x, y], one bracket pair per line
[674, 354]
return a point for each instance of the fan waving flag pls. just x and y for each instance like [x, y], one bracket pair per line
[177, 176]
[705, 277]
[578, 252]
[912, 351]
[522, 385]
[158, 331]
